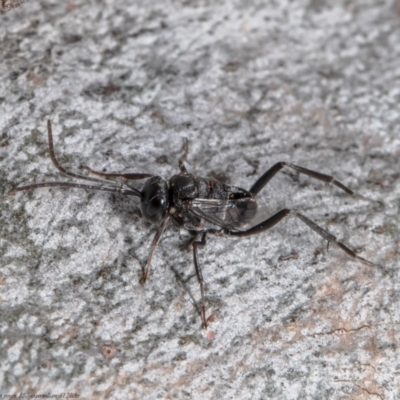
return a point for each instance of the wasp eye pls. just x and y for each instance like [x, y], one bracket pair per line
[154, 199]
[155, 205]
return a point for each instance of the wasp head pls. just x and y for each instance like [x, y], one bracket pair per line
[154, 201]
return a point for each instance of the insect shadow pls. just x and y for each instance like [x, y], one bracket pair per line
[202, 206]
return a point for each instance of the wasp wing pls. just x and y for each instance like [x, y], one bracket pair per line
[231, 214]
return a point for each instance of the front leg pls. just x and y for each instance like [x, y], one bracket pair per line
[154, 243]
[199, 275]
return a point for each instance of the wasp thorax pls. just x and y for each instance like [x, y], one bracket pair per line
[154, 202]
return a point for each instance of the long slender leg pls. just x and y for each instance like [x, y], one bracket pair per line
[274, 219]
[268, 175]
[154, 243]
[199, 274]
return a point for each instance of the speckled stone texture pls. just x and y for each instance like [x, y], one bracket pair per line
[248, 83]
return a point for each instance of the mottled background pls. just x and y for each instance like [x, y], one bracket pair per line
[248, 83]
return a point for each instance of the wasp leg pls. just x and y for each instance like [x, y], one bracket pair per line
[273, 220]
[199, 274]
[154, 243]
[268, 175]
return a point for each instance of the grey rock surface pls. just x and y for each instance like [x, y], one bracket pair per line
[248, 83]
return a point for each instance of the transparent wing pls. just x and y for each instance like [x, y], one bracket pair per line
[225, 213]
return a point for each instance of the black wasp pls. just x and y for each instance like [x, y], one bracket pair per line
[200, 205]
